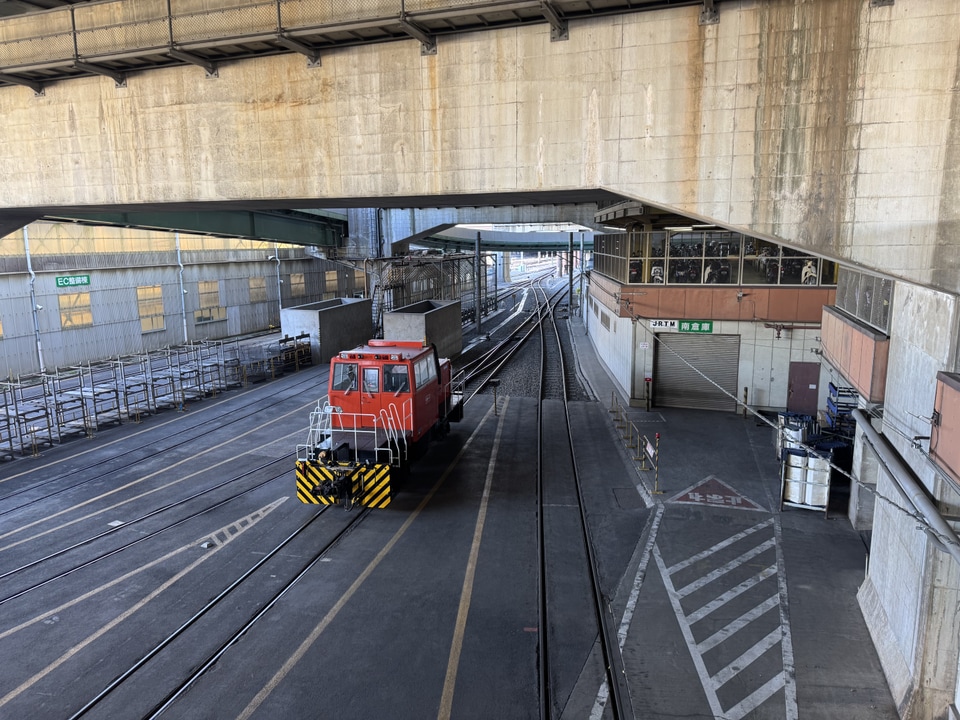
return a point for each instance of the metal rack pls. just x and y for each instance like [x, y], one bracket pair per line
[295, 352]
[133, 378]
[841, 402]
[100, 390]
[69, 409]
[24, 404]
[45, 409]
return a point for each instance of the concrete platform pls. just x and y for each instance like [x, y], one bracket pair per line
[729, 607]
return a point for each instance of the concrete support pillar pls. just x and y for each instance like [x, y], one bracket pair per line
[862, 500]
[504, 261]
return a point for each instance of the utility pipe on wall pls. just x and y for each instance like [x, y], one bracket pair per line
[34, 308]
[907, 482]
[183, 291]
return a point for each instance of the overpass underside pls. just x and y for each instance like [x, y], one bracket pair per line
[780, 120]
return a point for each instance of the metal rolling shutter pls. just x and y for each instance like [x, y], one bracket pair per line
[677, 385]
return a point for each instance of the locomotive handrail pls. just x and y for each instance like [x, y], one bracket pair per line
[330, 426]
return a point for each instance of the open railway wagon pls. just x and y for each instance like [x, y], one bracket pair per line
[386, 399]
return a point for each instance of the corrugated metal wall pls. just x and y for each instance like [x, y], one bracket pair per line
[115, 262]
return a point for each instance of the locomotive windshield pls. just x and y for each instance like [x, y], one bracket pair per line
[345, 376]
[396, 378]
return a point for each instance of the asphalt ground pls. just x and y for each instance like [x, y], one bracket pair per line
[735, 608]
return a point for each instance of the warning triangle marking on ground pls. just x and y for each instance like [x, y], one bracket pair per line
[714, 492]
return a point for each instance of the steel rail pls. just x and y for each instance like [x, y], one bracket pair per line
[610, 647]
[542, 639]
[159, 647]
[81, 543]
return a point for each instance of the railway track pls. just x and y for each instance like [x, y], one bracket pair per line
[534, 339]
[284, 462]
[160, 640]
[251, 581]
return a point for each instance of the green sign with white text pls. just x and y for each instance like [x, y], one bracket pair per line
[695, 326]
[72, 280]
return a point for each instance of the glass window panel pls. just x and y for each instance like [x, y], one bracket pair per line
[75, 310]
[371, 379]
[150, 307]
[209, 300]
[345, 376]
[298, 286]
[396, 379]
[258, 289]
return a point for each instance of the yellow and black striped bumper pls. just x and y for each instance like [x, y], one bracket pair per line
[364, 485]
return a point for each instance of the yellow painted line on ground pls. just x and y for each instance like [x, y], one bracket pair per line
[351, 591]
[238, 527]
[133, 483]
[466, 593]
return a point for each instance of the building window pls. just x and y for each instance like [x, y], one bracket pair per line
[298, 285]
[150, 306]
[865, 297]
[258, 289]
[211, 310]
[75, 310]
[330, 284]
[688, 256]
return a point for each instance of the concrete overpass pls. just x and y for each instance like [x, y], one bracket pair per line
[832, 126]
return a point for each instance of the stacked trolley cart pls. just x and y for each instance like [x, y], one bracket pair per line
[814, 461]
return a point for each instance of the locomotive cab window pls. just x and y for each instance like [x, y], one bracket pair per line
[396, 379]
[345, 376]
[426, 371]
[371, 379]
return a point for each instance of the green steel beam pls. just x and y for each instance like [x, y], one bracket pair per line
[455, 244]
[293, 227]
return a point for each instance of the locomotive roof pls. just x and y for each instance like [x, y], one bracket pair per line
[385, 350]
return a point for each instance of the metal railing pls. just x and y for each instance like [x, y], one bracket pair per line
[99, 30]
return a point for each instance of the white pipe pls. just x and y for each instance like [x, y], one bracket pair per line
[904, 478]
[183, 292]
[276, 249]
[34, 308]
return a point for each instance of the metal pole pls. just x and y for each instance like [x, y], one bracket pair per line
[656, 466]
[570, 268]
[581, 269]
[476, 281]
[496, 280]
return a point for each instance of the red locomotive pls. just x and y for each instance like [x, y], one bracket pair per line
[385, 400]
